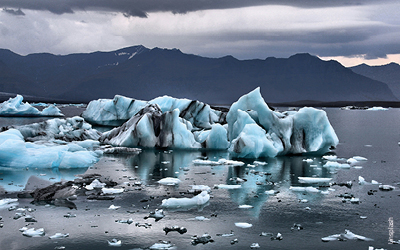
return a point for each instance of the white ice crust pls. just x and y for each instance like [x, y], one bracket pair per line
[15, 107]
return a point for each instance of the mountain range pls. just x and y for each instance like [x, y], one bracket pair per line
[144, 73]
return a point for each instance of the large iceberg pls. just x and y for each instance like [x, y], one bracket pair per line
[117, 111]
[152, 128]
[252, 130]
[15, 107]
[16, 153]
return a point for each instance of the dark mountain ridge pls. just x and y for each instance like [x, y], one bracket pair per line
[389, 74]
[143, 73]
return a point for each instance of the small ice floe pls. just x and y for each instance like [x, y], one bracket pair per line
[260, 163]
[226, 234]
[386, 187]
[226, 186]
[59, 236]
[128, 221]
[30, 218]
[204, 239]
[271, 192]
[314, 180]
[359, 158]
[69, 215]
[113, 207]
[114, 243]
[181, 230]
[305, 189]
[355, 200]
[335, 164]
[245, 206]
[95, 184]
[330, 157]
[347, 235]
[351, 161]
[145, 225]
[297, 227]
[243, 224]
[199, 188]
[112, 190]
[162, 245]
[308, 160]
[378, 108]
[187, 203]
[31, 232]
[8, 202]
[169, 181]
[277, 237]
[303, 201]
[219, 162]
[361, 181]
[158, 214]
[254, 245]
[199, 218]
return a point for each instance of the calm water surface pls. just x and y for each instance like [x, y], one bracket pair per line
[372, 134]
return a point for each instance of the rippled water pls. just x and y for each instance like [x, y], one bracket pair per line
[372, 134]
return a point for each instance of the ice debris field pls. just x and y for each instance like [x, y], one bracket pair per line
[249, 131]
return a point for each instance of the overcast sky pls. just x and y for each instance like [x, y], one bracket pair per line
[349, 31]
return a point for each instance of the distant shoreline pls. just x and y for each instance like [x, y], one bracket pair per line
[308, 103]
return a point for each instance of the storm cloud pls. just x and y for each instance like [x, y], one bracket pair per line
[243, 29]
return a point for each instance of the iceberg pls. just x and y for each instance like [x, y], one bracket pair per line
[169, 181]
[186, 203]
[15, 107]
[250, 129]
[305, 131]
[16, 153]
[69, 129]
[117, 111]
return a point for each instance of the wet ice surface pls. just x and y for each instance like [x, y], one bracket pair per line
[279, 202]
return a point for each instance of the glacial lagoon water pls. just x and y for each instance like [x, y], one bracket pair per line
[371, 134]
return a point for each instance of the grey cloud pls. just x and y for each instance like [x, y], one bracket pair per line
[140, 8]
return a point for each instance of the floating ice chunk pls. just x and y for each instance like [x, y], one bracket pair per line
[347, 235]
[162, 245]
[375, 182]
[361, 180]
[15, 107]
[386, 187]
[377, 109]
[113, 207]
[245, 206]
[305, 189]
[335, 164]
[271, 192]
[95, 184]
[31, 232]
[199, 188]
[221, 161]
[216, 138]
[254, 245]
[314, 180]
[114, 243]
[359, 158]
[187, 203]
[308, 160]
[355, 200]
[260, 163]
[169, 181]
[112, 190]
[243, 224]
[128, 221]
[158, 214]
[204, 239]
[8, 202]
[351, 161]
[330, 157]
[226, 186]
[59, 236]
